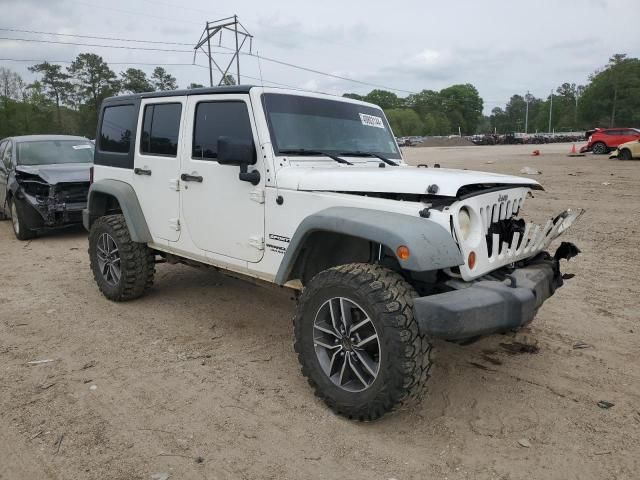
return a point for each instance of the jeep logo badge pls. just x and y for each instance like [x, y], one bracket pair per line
[503, 198]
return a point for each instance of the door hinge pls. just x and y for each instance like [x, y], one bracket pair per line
[257, 195]
[174, 184]
[174, 223]
[257, 242]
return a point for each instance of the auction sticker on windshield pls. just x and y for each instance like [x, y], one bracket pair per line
[371, 120]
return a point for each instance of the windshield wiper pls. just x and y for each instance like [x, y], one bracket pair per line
[370, 154]
[304, 151]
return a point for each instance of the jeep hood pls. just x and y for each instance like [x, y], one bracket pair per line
[58, 173]
[392, 179]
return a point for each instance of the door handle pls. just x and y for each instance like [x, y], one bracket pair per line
[185, 177]
[141, 171]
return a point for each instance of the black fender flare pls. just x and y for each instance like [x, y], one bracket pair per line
[431, 246]
[129, 205]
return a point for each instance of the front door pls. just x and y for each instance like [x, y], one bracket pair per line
[6, 165]
[4, 177]
[157, 165]
[222, 214]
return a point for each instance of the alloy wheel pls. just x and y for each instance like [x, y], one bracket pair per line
[108, 258]
[346, 344]
[14, 218]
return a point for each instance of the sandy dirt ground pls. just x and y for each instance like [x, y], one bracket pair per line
[198, 380]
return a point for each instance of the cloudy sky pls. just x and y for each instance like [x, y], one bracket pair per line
[500, 46]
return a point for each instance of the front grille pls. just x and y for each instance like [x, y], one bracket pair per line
[72, 192]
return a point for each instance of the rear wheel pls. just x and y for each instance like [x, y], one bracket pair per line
[358, 343]
[122, 268]
[20, 229]
[599, 148]
[625, 154]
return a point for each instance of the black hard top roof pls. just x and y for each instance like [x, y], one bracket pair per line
[185, 92]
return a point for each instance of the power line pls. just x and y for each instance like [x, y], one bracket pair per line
[124, 47]
[326, 74]
[94, 37]
[137, 14]
[110, 63]
[267, 59]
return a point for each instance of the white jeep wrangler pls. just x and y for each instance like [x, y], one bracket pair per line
[311, 192]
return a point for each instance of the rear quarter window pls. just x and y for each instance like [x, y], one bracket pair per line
[117, 128]
[116, 133]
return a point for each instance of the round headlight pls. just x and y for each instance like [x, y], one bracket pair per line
[464, 223]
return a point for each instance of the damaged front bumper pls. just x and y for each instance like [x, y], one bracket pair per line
[484, 307]
[59, 208]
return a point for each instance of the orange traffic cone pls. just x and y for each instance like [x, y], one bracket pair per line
[574, 153]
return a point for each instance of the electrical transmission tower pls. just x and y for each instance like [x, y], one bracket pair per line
[212, 34]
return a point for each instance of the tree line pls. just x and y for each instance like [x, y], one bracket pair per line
[67, 99]
[611, 98]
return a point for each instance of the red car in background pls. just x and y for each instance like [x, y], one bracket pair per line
[603, 140]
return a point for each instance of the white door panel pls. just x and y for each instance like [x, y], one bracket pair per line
[222, 214]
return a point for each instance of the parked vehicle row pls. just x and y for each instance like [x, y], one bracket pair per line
[515, 138]
[309, 192]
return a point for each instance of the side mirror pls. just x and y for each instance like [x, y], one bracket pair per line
[242, 154]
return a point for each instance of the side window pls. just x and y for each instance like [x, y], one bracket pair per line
[6, 155]
[2, 145]
[160, 128]
[117, 128]
[219, 119]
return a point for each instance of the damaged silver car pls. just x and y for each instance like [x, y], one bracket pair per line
[44, 181]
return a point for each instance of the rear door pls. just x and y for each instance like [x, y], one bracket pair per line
[4, 175]
[156, 165]
[629, 135]
[223, 214]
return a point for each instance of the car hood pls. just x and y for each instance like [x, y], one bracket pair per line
[391, 179]
[58, 173]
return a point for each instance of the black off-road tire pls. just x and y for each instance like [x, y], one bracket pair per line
[625, 154]
[599, 148]
[405, 361]
[20, 229]
[137, 261]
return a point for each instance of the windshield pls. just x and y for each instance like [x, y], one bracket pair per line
[46, 152]
[316, 124]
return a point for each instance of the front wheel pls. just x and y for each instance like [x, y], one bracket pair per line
[20, 229]
[625, 154]
[122, 268]
[599, 148]
[358, 343]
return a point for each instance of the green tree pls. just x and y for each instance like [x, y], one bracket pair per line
[134, 80]
[353, 96]
[56, 85]
[425, 102]
[404, 121]
[194, 85]
[93, 81]
[382, 98]
[162, 80]
[612, 97]
[463, 106]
